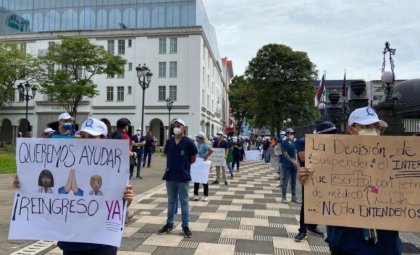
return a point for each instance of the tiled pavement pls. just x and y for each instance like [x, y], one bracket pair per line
[244, 218]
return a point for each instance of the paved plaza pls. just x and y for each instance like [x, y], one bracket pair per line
[244, 218]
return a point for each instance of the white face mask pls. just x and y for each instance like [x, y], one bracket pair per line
[291, 137]
[139, 132]
[177, 131]
[369, 132]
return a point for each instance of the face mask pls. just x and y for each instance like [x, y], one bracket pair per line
[68, 126]
[291, 137]
[369, 132]
[177, 131]
[139, 132]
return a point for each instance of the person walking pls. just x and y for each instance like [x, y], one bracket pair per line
[237, 154]
[180, 152]
[148, 148]
[138, 142]
[204, 152]
[354, 241]
[220, 143]
[289, 165]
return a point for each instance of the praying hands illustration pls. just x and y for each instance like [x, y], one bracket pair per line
[71, 185]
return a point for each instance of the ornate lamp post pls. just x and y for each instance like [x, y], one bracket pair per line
[388, 77]
[145, 76]
[24, 89]
[169, 104]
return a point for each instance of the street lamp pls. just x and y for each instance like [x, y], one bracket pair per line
[169, 103]
[24, 89]
[287, 122]
[145, 76]
[388, 77]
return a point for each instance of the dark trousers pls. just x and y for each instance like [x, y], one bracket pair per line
[148, 156]
[236, 160]
[335, 251]
[106, 250]
[197, 187]
[139, 158]
[302, 226]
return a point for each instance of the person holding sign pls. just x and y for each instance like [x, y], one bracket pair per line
[65, 127]
[289, 165]
[353, 241]
[90, 129]
[204, 152]
[220, 143]
[180, 153]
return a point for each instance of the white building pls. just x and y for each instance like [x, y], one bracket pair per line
[173, 38]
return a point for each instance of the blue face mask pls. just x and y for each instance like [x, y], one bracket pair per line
[68, 126]
[282, 137]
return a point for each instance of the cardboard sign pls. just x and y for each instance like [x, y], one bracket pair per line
[200, 171]
[363, 181]
[218, 157]
[71, 190]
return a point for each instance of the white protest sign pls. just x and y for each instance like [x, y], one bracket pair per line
[218, 157]
[71, 190]
[252, 155]
[200, 170]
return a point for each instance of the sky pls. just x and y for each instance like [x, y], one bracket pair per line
[337, 35]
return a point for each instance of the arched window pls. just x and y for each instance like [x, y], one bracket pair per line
[52, 21]
[143, 16]
[87, 19]
[114, 19]
[69, 20]
[129, 18]
[38, 22]
[101, 21]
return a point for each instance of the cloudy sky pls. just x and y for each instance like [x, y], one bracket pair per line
[336, 34]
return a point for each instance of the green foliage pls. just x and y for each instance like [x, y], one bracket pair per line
[16, 65]
[277, 85]
[7, 160]
[72, 64]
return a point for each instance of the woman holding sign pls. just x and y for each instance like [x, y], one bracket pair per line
[204, 152]
[350, 240]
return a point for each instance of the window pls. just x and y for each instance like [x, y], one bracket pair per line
[111, 46]
[162, 93]
[162, 69]
[129, 90]
[50, 70]
[22, 47]
[120, 93]
[162, 45]
[121, 47]
[172, 92]
[130, 43]
[173, 45]
[121, 75]
[130, 66]
[109, 93]
[50, 44]
[172, 69]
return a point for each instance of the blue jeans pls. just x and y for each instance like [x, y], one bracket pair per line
[289, 172]
[178, 190]
[266, 155]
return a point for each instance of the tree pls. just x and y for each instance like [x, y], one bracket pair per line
[281, 81]
[72, 64]
[16, 65]
[241, 100]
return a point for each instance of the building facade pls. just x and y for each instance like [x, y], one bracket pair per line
[174, 38]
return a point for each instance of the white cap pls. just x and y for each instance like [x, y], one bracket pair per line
[200, 134]
[282, 133]
[179, 121]
[365, 116]
[139, 128]
[47, 130]
[220, 133]
[94, 127]
[64, 116]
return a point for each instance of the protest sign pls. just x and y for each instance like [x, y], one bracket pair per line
[363, 181]
[200, 170]
[252, 155]
[218, 157]
[71, 190]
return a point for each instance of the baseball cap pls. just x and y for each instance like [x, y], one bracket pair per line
[179, 121]
[138, 129]
[94, 127]
[200, 134]
[290, 130]
[64, 116]
[325, 127]
[220, 133]
[365, 116]
[47, 130]
[282, 133]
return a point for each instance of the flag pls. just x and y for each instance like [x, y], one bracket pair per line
[319, 91]
[344, 89]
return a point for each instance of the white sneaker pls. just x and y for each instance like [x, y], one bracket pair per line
[196, 198]
[205, 199]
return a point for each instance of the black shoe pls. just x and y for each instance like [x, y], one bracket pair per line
[166, 229]
[231, 176]
[215, 182]
[299, 237]
[316, 232]
[187, 232]
[226, 183]
[139, 177]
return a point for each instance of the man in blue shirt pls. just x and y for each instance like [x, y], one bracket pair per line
[138, 142]
[289, 165]
[65, 127]
[180, 153]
